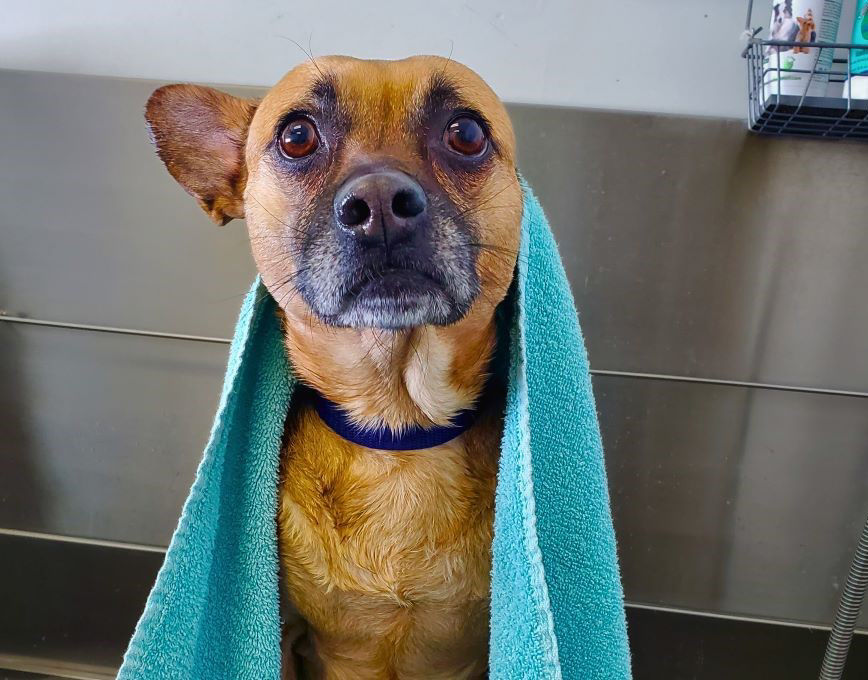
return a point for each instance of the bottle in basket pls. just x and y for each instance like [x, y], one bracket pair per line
[858, 86]
[787, 69]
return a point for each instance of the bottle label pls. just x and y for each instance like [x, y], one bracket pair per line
[788, 69]
[859, 58]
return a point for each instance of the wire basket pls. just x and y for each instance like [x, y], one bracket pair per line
[771, 112]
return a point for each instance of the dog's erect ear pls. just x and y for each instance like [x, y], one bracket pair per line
[200, 135]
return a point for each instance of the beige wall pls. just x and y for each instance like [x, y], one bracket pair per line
[678, 56]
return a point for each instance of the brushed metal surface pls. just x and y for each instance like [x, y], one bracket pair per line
[669, 646]
[726, 499]
[93, 229]
[74, 674]
[75, 608]
[734, 500]
[100, 434]
[70, 606]
[693, 248]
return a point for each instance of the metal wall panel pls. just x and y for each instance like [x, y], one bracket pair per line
[93, 228]
[672, 646]
[693, 248]
[732, 499]
[74, 608]
[69, 604]
[726, 498]
[100, 434]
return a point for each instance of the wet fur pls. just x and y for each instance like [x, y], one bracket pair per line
[386, 555]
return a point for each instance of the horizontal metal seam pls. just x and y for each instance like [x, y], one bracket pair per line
[113, 329]
[82, 540]
[597, 372]
[739, 618]
[730, 383]
[59, 538]
[46, 667]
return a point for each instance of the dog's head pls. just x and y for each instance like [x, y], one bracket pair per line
[377, 194]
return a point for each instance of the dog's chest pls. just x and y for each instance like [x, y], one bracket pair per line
[383, 551]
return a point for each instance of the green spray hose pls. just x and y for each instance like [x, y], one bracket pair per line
[848, 611]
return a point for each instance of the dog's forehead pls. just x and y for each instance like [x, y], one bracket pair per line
[379, 95]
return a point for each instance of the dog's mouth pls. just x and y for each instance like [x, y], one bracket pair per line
[394, 298]
[393, 283]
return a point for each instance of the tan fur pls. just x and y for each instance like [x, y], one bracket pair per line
[386, 554]
[379, 96]
[200, 135]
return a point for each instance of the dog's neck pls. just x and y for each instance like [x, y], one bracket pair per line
[421, 376]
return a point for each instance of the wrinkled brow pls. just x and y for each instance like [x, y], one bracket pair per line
[322, 101]
[438, 96]
[324, 94]
[443, 95]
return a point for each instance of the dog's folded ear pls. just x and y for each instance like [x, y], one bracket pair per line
[200, 135]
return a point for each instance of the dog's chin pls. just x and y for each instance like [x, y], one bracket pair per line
[396, 299]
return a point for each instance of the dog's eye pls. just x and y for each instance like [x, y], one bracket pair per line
[299, 137]
[465, 135]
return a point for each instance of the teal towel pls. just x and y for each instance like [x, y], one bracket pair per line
[556, 602]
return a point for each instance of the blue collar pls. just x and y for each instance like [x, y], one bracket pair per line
[410, 439]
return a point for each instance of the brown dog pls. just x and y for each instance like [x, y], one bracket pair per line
[384, 209]
[807, 26]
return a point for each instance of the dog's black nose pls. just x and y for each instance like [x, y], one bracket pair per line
[380, 208]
